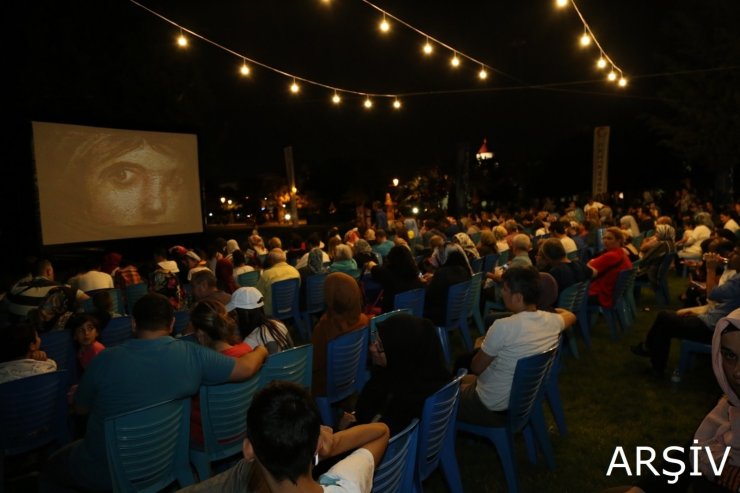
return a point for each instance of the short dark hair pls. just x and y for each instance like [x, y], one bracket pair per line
[283, 426]
[16, 341]
[153, 312]
[524, 281]
[204, 276]
[553, 249]
[559, 227]
[40, 266]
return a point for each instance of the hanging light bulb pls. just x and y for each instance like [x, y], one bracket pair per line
[428, 48]
[368, 102]
[384, 26]
[455, 62]
[336, 99]
[585, 39]
[561, 3]
[612, 75]
[397, 104]
[294, 87]
[244, 70]
[601, 63]
[622, 82]
[482, 75]
[182, 41]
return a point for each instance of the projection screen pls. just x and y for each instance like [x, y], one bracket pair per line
[102, 184]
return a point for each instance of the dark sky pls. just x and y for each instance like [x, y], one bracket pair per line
[111, 63]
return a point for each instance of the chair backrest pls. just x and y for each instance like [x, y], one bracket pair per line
[182, 319]
[223, 411]
[625, 280]
[248, 279]
[572, 256]
[457, 304]
[569, 298]
[133, 293]
[147, 448]
[383, 317]
[33, 412]
[412, 299]
[395, 473]
[345, 364]
[58, 346]
[489, 262]
[285, 298]
[437, 425]
[116, 298]
[315, 295]
[444, 340]
[503, 257]
[665, 265]
[116, 332]
[475, 237]
[292, 365]
[528, 377]
[476, 285]
[477, 264]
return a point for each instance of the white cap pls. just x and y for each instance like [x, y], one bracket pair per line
[247, 298]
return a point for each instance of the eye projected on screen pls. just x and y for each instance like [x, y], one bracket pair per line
[98, 184]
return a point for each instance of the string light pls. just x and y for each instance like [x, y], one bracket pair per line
[622, 82]
[601, 63]
[482, 75]
[244, 70]
[428, 49]
[336, 99]
[397, 104]
[384, 26]
[368, 103]
[612, 75]
[585, 40]
[561, 3]
[455, 62]
[182, 41]
[294, 87]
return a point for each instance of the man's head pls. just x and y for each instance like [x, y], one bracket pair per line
[558, 228]
[552, 250]
[43, 268]
[204, 283]
[275, 256]
[283, 431]
[192, 259]
[521, 288]
[521, 243]
[153, 312]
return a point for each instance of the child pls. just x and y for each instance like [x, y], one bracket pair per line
[84, 328]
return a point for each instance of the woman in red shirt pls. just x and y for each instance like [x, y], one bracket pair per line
[606, 268]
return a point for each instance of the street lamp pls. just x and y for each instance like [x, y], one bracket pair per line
[223, 200]
[395, 182]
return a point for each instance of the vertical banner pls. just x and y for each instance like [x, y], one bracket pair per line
[290, 172]
[601, 161]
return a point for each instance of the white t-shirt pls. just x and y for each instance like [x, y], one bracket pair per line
[731, 225]
[354, 474]
[92, 280]
[508, 340]
[569, 245]
[255, 338]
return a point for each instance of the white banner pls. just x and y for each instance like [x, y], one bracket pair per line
[601, 161]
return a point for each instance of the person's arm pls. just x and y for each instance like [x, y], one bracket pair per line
[373, 437]
[711, 261]
[568, 317]
[481, 361]
[248, 365]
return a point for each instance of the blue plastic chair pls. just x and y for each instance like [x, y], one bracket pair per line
[147, 448]
[383, 317]
[315, 299]
[477, 264]
[662, 294]
[503, 257]
[223, 412]
[33, 413]
[285, 303]
[182, 319]
[572, 299]
[118, 331]
[476, 285]
[58, 345]
[457, 311]
[116, 297]
[395, 473]
[248, 279]
[572, 256]
[444, 340]
[346, 358]
[134, 292]
[620, 312]
[529, 375]
[489, 262]
[292, 365]
[552, 390]
[436, 447]
[413, 299]
[688, 349]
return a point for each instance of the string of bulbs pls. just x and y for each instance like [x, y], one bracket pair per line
[615, 73]
[428, 48]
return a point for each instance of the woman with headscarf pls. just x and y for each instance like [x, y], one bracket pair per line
[343, 314]
[627, 222]
[651, 256]
[363, 254]
[455, 269]
[487, 243]
[314, 265]
[467, 245]
[399, 273]
[409, 366]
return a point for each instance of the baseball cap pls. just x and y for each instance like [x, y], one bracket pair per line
[247, 298]
[193, 255]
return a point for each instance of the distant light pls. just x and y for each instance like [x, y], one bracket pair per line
[263, 209]
[601, 63]
[397, 104]
[229, 202]
[612, 76]
[287, 217]
[336, 99]
[368, 103]
[294, 87]
[223, 200]
[455, 62]
[182, 41]
[561, 3]
[294, 190]
[210, 214]
[283, 206]
[395, 182]
[384, 26]
[482, 75]
[265, 198]
[621, 195]
[415, 210]
[244, 70]
[585, 39]
[483, 203]
[622, 82]
[428, 48]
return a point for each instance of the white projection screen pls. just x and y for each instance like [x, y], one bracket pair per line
[99, 184]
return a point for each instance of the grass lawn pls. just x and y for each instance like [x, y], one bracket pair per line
[609, 401]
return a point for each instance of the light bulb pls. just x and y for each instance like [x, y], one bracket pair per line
[601, 63]
[428, 48]
[612, 76]
[244, 70]
[482, 75]
[397, 104]
[368, 103]
[336, 99]
[182, 41]
[294, 87]
[585, 39]
[455, 62]
[384, 26]
[622, 82]
[561, 3]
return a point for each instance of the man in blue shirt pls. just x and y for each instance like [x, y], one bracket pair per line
[151, 368]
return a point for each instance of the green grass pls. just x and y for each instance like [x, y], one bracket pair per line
[608, 401]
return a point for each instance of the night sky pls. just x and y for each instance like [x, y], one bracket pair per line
[111, 63]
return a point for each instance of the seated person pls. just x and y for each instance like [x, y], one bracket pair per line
[285, 436]
[409, 366]
[529, 331]
[455, 269]
[20, 356]
[343, 261]
[255, 327]
[398, 273]
[85, 329]
[606, 268]
[652, 252]
[552, 259]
